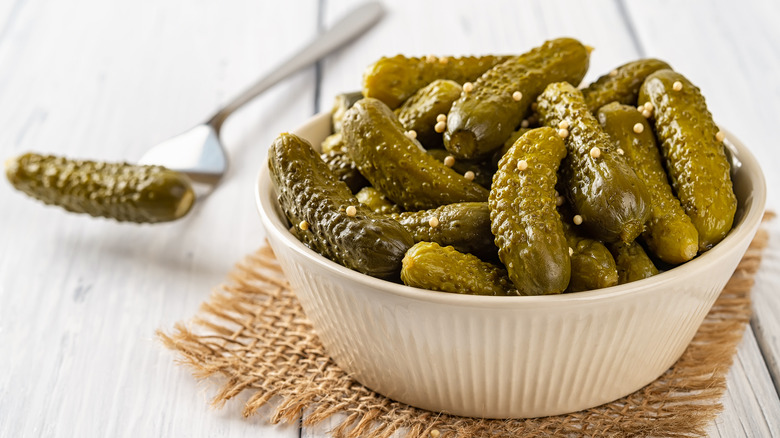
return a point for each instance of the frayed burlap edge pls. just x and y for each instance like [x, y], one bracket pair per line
[253, 332]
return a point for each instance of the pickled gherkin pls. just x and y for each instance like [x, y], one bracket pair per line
[632, 262]
[397, 165]
[604, 191]
[121, 191]
[393, 80]
[622, 84]
[694, 155]
[328, 218]
[481, 171]
[592, 265]
[345, 169]
[669, 233]
[376, 201]
[483, 117]
[527, 228]
[428, 265]
[507, 144]
[464, 226]
[419, 113]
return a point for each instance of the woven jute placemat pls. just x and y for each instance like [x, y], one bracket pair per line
[253, 334]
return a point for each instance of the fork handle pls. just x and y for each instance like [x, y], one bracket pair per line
[345, 30]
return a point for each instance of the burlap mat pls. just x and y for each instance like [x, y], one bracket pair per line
[253, 332]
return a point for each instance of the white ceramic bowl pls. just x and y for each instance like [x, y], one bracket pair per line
[508, 357]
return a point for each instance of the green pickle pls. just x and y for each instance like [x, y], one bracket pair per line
[345, 169]
[483, 175]
[602, 188]
[464, 226]
[695, 158]
[393, 80]
[669, 233]
[430, 266]
[419, 112]
[397, 165]
[376, 201]
[318, 205]
[621, 84]
[523, 216]
[121, 191]
[507, 144]
[632, 262]
[482, 119]
[592, 265]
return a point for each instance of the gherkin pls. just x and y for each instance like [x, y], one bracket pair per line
[464, 226]
[669, 233]
[121, 191]
[484, 116]
[523, 217]
[393, 80]
[419, 113]
[318, 206]
[622, 84]
[430, 266]
[592, 265]
[376, 201]
[345, 169]
[695, 158]
[483, 174]
[601, 186]
[397, 165]
[632, 262]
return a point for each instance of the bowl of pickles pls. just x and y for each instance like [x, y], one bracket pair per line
[481, 237]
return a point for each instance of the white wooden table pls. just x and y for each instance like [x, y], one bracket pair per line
[80, 298]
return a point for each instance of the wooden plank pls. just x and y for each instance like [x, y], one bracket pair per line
[80, 298]
[751, 408]
[729, 51]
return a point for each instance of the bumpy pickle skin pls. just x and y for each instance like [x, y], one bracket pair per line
[483, 174]
[592, 265]
[397, 165]
[601, 186]
[393, 80]
[632, 262]
[482, 119]
[121, 191]
[464, 226]
[319, 205]
[428, 265]
[695, 159]
[507, 144]
[527, 228]
[376, 201]
[345, 169]
[419, 112]
[621, 84]
[669, 232]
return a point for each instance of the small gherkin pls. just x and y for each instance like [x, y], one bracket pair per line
[621, 84]
[693, 152]
[428, 265]
[121, 191]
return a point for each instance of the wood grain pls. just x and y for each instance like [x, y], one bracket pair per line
[80, 298]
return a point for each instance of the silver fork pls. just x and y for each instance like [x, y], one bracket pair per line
[198, 152]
